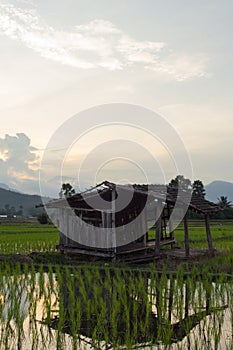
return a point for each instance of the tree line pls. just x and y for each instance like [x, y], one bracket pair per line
[11, 211]
[198, 190]
[180, 181]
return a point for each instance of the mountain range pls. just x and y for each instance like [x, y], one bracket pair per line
[26, 202]
[219, 188]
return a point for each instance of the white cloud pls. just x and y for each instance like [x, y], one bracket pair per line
[183, 66]
[18, 160]
[97, 27]
[97, 44]
[144, 51]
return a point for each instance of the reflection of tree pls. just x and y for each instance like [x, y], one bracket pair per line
[130, 309]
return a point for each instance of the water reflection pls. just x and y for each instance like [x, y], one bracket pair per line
[131, 309]
[103, 309]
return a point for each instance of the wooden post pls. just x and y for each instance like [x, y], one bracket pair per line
[158, 304]
[144, 227]
[103, 218]
[158, 227]
[113, 223]
[186, 236]
[108, 227]
[65, 219]
[208, 233]
[170, 299]
[171, 230]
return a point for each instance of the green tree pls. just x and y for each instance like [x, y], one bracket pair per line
[7, 209]
[198, 189]
[223, 202]
[67, 190]
[10, 211]
[43, 218]
[20, 211]
[181, 182]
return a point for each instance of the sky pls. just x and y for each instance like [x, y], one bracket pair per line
[59, 58]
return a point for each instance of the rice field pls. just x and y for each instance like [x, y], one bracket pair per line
[103, 306]
[26, 238]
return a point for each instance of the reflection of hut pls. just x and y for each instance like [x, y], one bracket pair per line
[129, 308]
[113, 220]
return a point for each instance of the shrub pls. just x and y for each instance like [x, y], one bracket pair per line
[43, 218]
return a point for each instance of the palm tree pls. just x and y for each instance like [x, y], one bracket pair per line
[223, 202]
[198, 189]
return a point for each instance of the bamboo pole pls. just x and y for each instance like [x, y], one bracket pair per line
[186, 236]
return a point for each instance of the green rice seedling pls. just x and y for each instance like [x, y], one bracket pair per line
[135, 309]
[71, 310]
[230, 299]
[62, 313]
[82, 288]
[114, 307]
[12, 315]
[51, 278]
[41, 280]
[116, 311]
[143, 301]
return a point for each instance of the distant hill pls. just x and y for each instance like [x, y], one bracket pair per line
[219, 188]
[16, 199]
[6, 187]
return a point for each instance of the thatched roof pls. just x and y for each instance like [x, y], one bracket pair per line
[140, 195]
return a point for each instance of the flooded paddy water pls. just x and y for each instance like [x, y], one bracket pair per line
[102, 308]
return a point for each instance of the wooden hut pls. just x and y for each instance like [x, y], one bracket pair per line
[124, 222]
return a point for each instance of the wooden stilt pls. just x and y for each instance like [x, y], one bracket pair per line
[208, 233]
[158, 227]
[170, 300]
[113, 223]
[186, 236]
[172, 236]
[144, 227]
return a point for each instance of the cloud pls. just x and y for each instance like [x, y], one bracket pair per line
[97, 44]
[18, 161]
[182, 66]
